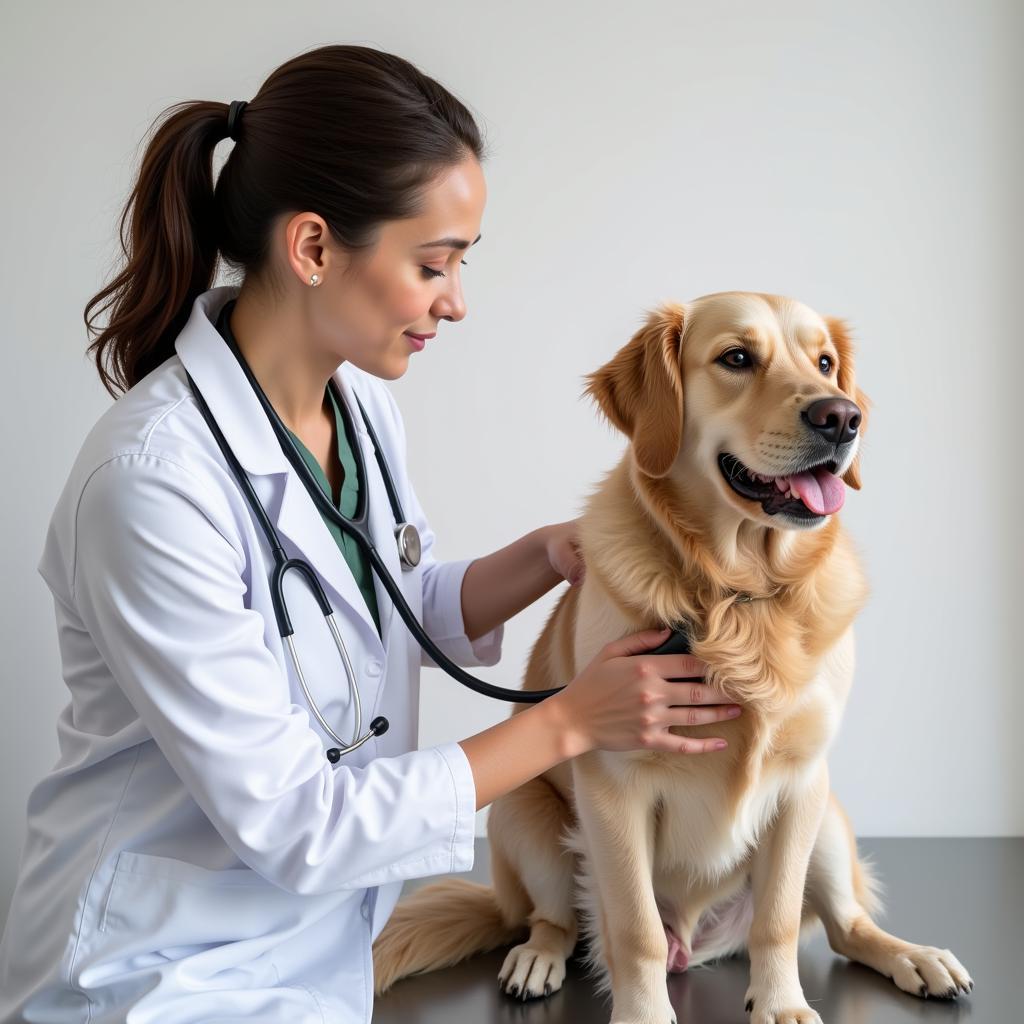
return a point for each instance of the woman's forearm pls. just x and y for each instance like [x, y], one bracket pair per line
[520, 748]
[500, 585]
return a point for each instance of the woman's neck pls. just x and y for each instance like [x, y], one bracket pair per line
[275, 345]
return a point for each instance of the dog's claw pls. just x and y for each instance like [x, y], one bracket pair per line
[750, 1005]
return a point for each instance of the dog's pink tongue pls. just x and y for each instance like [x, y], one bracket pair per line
[821, 491]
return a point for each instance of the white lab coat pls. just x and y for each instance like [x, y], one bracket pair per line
[193, 856]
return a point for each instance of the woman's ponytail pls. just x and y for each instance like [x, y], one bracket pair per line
[170, 247]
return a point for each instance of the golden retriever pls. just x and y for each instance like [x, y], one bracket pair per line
[744, 422]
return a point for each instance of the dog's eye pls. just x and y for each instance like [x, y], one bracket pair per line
[825, 364]
[736, 359]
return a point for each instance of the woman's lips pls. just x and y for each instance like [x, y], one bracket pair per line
[418, 340]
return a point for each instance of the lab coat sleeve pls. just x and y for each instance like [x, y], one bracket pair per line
[442, 582]
[158, 581]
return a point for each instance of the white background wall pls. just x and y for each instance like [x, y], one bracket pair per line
[864, 158]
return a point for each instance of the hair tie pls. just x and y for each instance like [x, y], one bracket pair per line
[234, 116]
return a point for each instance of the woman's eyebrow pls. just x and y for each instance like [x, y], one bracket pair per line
[455, 243]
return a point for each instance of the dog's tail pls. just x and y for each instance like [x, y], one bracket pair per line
[437, 926]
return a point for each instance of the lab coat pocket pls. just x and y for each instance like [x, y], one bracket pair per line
[160, 909]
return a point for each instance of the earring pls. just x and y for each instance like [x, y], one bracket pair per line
[314, 279]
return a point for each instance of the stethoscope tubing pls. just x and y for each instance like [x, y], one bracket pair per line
[357, 528]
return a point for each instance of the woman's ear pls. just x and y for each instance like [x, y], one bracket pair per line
[839, 331]
[640, 390]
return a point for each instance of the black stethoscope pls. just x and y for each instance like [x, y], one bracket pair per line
[406, 536]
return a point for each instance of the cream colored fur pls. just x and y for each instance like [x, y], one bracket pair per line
[668, 861]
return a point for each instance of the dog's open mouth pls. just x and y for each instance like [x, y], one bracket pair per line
[813, 492]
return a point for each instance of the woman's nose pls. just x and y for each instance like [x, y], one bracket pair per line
[450, 305]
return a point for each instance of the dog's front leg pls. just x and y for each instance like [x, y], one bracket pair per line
[618, 834]
[778, 873]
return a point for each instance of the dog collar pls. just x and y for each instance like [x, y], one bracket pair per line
[742, 597]
[678, 641]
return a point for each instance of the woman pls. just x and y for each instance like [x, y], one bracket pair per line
[194, 855]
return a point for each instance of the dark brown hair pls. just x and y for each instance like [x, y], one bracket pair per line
[349, 132]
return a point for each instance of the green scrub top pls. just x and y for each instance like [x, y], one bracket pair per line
[354, 555]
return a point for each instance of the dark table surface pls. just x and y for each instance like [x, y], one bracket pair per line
[966, 895]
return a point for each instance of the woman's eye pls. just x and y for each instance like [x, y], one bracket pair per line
[825, 364]
[736, 359]
[440, 273]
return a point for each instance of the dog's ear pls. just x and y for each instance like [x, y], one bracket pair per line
[640, 390]
[839, 331]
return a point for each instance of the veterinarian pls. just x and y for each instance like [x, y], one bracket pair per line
[194, 855]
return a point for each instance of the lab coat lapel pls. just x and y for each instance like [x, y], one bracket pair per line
[238, 413]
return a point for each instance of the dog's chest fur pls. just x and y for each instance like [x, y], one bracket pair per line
[710, 809]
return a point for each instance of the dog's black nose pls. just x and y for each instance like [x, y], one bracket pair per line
[836, 419]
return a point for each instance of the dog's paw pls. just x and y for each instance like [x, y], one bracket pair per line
[642, 1001]
[671, 1020]
[648, 1017]
[529, 972]
[776, 1008]
[927, 971]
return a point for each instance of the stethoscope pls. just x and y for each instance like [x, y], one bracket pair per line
[406, 536]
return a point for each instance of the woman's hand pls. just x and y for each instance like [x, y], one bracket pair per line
[627, 699]
[561, 544]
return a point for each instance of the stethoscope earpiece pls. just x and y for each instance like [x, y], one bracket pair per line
[378, 727]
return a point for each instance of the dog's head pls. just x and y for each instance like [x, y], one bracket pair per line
[773, 417]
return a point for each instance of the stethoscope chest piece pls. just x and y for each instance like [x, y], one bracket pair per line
[408, 538]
